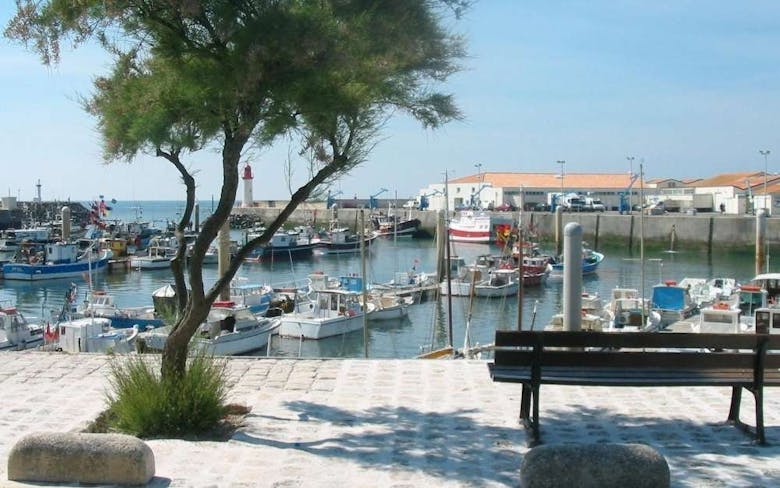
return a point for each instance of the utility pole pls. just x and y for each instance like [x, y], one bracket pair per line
[630, 187]
[563, 171]
[765, 153]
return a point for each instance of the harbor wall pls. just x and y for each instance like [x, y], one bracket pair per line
[707, 232]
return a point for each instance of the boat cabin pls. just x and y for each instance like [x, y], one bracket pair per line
[768, 321]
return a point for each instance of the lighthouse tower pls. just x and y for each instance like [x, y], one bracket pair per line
[248, 200]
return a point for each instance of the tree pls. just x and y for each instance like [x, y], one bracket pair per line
[191, 74]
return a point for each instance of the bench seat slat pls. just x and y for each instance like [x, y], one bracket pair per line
[633, 339]
[636, 359]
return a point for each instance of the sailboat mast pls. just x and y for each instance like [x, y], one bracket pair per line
[447, 257]
[363, 281]
[642, 239]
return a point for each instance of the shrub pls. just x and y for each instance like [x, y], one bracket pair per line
[141, 403]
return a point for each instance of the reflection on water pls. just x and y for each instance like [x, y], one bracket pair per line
[427, 323]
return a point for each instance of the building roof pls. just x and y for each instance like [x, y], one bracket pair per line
[618, 181]
[738, 180]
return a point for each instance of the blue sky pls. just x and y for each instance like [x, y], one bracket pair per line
[690, 87]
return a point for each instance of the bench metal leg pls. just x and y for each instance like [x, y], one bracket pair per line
[758, 393]
[525, 404]
[535, 420]
[736, 399]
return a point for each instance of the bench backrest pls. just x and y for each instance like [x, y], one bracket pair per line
[636, 349]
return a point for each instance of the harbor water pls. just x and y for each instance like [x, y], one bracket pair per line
[427, 323]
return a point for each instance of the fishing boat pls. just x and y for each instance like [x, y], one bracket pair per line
[101, 304]
[330, 312]
[157, 257]
[283, 246]
[228, 330]
[672, 302]
[256, 296]
[393, 225]
[590, 264]
[16, 332]
[626, 310]
[57, 260]
[499, 283]
[342, 240]
[95, 334]
[471, 226]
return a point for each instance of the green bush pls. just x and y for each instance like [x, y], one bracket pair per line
[141, 403]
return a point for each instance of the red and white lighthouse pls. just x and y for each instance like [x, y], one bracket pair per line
[248, 200]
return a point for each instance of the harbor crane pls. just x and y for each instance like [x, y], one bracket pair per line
[625, 196]
[372, 203]
[424, 203]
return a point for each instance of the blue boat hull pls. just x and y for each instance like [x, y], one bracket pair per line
[36, 272]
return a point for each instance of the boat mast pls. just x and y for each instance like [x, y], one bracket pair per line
[447, 257]
[642, 239]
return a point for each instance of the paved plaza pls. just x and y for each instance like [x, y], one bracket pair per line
[396, 423]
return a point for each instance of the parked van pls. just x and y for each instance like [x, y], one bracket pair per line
[594, 205]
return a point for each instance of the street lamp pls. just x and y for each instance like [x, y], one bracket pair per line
[630, 186]
[563, 166]
[765, 153]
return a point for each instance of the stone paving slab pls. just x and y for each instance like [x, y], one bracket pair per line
[396, 423]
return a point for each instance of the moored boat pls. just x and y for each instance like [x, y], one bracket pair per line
[590, 264]
[16, 332]
[471, 226]
[57, 260]
[331, 312]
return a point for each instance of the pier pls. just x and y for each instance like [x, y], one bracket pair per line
[703, 231]
[356, 423]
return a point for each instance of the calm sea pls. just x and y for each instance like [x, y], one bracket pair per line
[427, 323]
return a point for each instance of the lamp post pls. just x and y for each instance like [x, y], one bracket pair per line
[563, 166]
[480, 178]
[630, 186]
[765, 153]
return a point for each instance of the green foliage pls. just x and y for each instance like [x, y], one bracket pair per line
[143, 404]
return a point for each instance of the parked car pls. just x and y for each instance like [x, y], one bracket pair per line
[505, 207]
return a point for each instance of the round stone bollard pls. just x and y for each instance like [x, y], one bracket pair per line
[594, 466]
[81, 458]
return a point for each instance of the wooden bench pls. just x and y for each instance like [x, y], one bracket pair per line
[534, 358]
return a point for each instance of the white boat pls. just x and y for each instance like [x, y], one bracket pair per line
[593, 316]
[157, 258]
[626, 310]
[719, 318]
[229, 330]
[256, 296]
[500, 283]
[413, 284]
[16, 332]
[101, 304]
[331, 312]
[471, 226]
[94, 334]
[389, 307]
[57, 260]
[232, 329]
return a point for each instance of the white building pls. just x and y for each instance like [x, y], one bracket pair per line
[526, 190]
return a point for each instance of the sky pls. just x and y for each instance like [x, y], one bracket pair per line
[688, 88]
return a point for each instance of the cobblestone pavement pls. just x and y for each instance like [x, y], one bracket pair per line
[396, 423]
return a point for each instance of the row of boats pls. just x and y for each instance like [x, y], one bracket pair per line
[718, 305]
